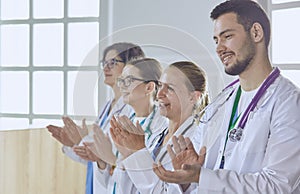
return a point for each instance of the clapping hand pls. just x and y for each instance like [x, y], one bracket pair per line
[85, 152]
[73, 131]
[60, 135]
[186, 161]
[70, 134]
[102, 146]
[127, 137]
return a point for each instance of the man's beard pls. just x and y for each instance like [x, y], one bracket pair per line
[241, 65]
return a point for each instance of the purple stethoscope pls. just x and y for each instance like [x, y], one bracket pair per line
[237, 132]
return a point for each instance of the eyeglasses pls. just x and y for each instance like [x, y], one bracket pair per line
[110, 63]
[126, 82]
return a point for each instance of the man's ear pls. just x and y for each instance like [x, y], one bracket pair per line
[257, 32]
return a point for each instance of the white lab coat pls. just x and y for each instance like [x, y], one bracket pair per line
[120, 177]
[139, 166]
[267, 158]
[119, 108]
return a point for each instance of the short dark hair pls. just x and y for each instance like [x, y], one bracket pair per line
[126, 51]
[248, 12]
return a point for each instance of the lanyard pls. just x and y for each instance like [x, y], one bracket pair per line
[234, 115]
[236, 133]
[104, 117]
[105, 110]
[106, 114]
[111, 171]
[156, 150]
[147, 128]
[233, 119]
[159, 143]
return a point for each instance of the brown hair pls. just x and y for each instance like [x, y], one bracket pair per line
[248, 12]
[149, 69]
[126, 51]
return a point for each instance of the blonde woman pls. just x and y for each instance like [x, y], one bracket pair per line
[182, 91]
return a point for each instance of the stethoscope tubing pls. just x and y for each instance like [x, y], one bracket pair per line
[235, 134]
[266, 84]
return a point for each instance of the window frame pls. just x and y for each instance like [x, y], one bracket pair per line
[270, 7]
[65, 68]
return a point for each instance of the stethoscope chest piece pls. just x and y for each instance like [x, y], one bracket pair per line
[235, 134]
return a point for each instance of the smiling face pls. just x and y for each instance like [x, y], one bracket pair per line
[136, 92]
[111, 74]
[234, 45]
[173, 95]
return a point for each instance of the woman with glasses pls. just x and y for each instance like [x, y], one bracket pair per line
[73, 137]
[181, 96]
[138, 85]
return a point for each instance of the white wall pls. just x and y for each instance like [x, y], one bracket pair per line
[191, 16]
[169, 30]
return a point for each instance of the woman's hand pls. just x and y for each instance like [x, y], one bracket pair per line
[73, 131]
[103, 146]
[130, 136]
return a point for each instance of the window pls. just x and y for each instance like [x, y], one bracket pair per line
[283, 1]
[284, 52]
[43, 46]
